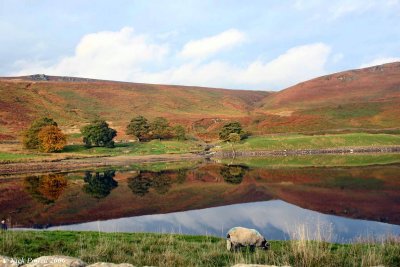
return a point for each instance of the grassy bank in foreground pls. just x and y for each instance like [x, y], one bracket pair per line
[184, 250]
[293, 142]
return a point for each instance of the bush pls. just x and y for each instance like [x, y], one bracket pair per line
[232, 128]
[179, 132]
[51, 139]
[31, 139]
[160, 129]
[98, 133]
[139, 127]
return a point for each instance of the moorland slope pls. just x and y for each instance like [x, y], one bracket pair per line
[356, 100]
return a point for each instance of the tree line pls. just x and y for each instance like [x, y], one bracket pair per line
[45, 135]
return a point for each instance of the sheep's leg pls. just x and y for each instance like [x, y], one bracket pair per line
[229, 245]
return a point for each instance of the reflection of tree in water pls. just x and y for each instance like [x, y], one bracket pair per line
[99, 184]
[181, 177]
[139, 185]
[46, 188]
[233, 174]
[160, 181]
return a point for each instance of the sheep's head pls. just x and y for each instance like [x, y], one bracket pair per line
[265, 244]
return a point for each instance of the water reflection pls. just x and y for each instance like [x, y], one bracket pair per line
[160, 181]
[369, 193]
[140, 185]
[275, 219]
[233, 173]
[99, 185]
[46, 188]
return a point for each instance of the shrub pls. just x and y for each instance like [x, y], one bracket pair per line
[51, 139]
[138, 127]
[98, 133]
[31, 139]
[229, 128]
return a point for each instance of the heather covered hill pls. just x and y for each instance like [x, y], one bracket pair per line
[362, 99]
[75, 101]
[351, 101]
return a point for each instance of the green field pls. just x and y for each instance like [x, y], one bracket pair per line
[186, 250]
[154, 147]
[292, 142]
[15, 157]
[316, 160]
[272, 142]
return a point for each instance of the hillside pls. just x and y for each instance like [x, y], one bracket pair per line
[75, 101]
[355, 100]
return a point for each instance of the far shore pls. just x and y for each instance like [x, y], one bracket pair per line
[84, 163]
[75, 164]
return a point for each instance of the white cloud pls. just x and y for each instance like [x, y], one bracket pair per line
[205, 47]
[379, 61]
[107, 55]
[295, 65]
[126, 56]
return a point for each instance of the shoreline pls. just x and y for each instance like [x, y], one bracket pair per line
[302, 152]
[82, 164]
[112, 161]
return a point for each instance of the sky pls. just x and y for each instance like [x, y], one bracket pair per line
[253, 44]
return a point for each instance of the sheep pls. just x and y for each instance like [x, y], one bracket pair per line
[238, 237]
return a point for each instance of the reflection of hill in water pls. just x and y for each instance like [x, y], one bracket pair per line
[356, 192]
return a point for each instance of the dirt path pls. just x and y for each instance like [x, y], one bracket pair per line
[79, 164]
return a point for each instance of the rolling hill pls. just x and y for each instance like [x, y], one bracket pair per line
[356, 100]
[363, 99]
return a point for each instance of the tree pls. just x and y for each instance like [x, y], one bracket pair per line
[31, 139]
[233, 138]
[179, 132]
[98, 133]
[160, 129]
[232, 127]
[139, 127]
[51, 139]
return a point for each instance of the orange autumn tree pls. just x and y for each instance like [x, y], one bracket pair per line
[51, 139]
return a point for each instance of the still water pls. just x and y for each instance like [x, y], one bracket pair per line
[334, 203]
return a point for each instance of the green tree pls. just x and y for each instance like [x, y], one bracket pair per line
[98, 133]
[160, 129]
[139, 127]
[31, 139]
[179, 132]
[232, 127]
[232, 139]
